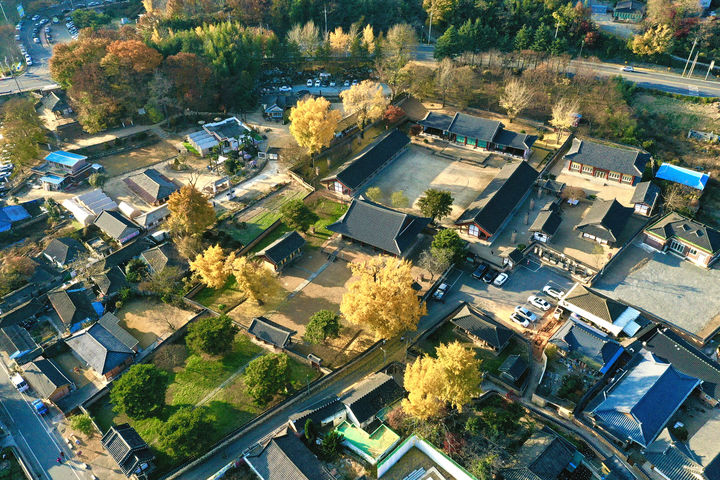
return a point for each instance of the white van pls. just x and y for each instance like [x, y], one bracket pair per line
[19, 383]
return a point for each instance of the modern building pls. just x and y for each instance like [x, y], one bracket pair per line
[682, 236]
[230, 133]
[645, 198]
[129, 450]
[270, 333]
[116, 226]
[482, 329]
[151, 186]
[101, 350]
[604, 222]
[488, 215]
[606, 162]
[46, 379]
[86, 207]
[379, 227]
[64, 251]
[605, 313]
[62, 169]
[284, 457]
[476, 132]
[355, 176]
[589, 345]
[683, 176]
[416, 458]
[282, 251]
[12, 216]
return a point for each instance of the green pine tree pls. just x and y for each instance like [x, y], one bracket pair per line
[523, 38]
[448, 45]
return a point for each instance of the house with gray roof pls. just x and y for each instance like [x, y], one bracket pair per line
[608, 163]
[513, 369]
[380, 227]
[482, 329]
[131, 453]
[151, 186]
[369, 396]
[154, 217]
[546, 223]
[116, 226]
[18, 344]
[684, 237]
[101, 350]
[47, 379]
[587, 344]
[603, 312]
[112, 324]
[23, 312]
[356, 175]
[282, 251]
[110, 282]
[73, 307]
[322, 413]
[637, 404]
[270, 333]
[63, 251]
[285, 457]
[547, 456]
[604, 222]
[488, 215]
[645, 198]
[163, 256]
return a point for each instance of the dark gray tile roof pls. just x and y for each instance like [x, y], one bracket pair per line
[317, 413]
[674, 225]
[547, 222]
[674, 464]
[544, 456]
[112, 325]
[381, 227]
[607, 157]
[639, 402]
[606, 219]
[670, 347]
[645, 192]
[595, 347]
[14, 338]
[99, 348]
[514, 366]
[151, 185]
[521, 141]
[281, 101]
[126, 253]
[64, 250]
[53, 102]
[72, 306]
[22, 312]
[285, 457]
[228, 128]
[114, 225]
[154, 215]
[126, 447]
[474, 127]
[283, 247]
[270, 332]
[372, 395]
[482, 327]
[437, 121]
[600, 306]
[44, 376]
[556, 458]
[165, 255]
[500, 197]
[111, 281]
[372, 160]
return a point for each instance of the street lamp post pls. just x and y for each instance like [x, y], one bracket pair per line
[582, 44]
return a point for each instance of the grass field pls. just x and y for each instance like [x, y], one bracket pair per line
[267, 213]
[190, 383]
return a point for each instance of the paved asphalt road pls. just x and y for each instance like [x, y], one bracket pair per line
[34, 435]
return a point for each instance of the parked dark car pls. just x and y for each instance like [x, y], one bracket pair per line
[480, 271]
[489, 276]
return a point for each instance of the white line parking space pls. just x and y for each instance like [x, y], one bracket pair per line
[531, 264]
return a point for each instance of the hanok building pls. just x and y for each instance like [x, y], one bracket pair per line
[488, 215]
[513, 369]
[282, 251]
[62, 169]
[116, 226]
[18, 344]
[64, 251]
[684, 237]
[151, 186]
[285, 457]
[163, 256]
[379, 227]
[351, 179]
[46, 378]
[270, 333]
[476, 132]
[57, 115]
[588, 345]
[371, 395]
[546, 223]
[129, 450]
[153, 218]
[645, 198]
[547, 456]
[637, 404]
[275, 106]
[605, 313]
[606, 162]
[604, 222]
[101, 350]
[109, 283]
[73, 307]
[482, 329]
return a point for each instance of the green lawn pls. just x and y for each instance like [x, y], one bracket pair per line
[259, 223]
[190, 383]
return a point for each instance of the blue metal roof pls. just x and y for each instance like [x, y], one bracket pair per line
[4, 226]
[15, 213]
[681, 175]
[54, 179]
[65, 158]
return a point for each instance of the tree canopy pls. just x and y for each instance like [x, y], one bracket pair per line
[22, 131]
[252, 278]
[447, 243]
[212, 335]
[267, 376]
[191, 213]
[188, 431]
[322, 324]
[313, 123]
[140, 392]
[210, 267]
[365, 100]
[297, 215]
[436, 204]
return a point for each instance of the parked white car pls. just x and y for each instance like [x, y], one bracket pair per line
[285, 88]
[553, 292]
[525, 313]
[515, 317]
[500, 279]
[309, 83]
[19, 383]
[538, 302]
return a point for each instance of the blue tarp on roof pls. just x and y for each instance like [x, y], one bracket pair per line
[15, 213]
[54, 179]
[65, 158]
[681, 175]
[98, 307]
[4, 226]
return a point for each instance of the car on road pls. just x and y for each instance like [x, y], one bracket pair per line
[40, 407]
[56, 20]
[332, 83]
[538, 302]
[354, 82]
[19, 383]
[627, 68]
[346, 83]
[439, 294]
[519, 320]
[285, 88]
[35, 18]
[17, 38]
[309, 83]
[553, 292]
[480, 271]
[28, 62]
[525, 313]
[317, 82]
[489, 276]
[500, 279]
[36, 40]
[18, 27]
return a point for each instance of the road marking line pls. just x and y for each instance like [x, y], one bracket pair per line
[39, 464]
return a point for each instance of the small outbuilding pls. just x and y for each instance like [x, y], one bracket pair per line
[282, 251]
[46, 378]
[270, 333]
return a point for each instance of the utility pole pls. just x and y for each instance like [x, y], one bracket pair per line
[710, 67]
[3, 12]
[557, 27]
[689, 56]
[692, 68]
[325, 10]
[582, 44]
[430, 25]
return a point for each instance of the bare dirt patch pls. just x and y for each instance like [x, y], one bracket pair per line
[142, 157]
[148, 320]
